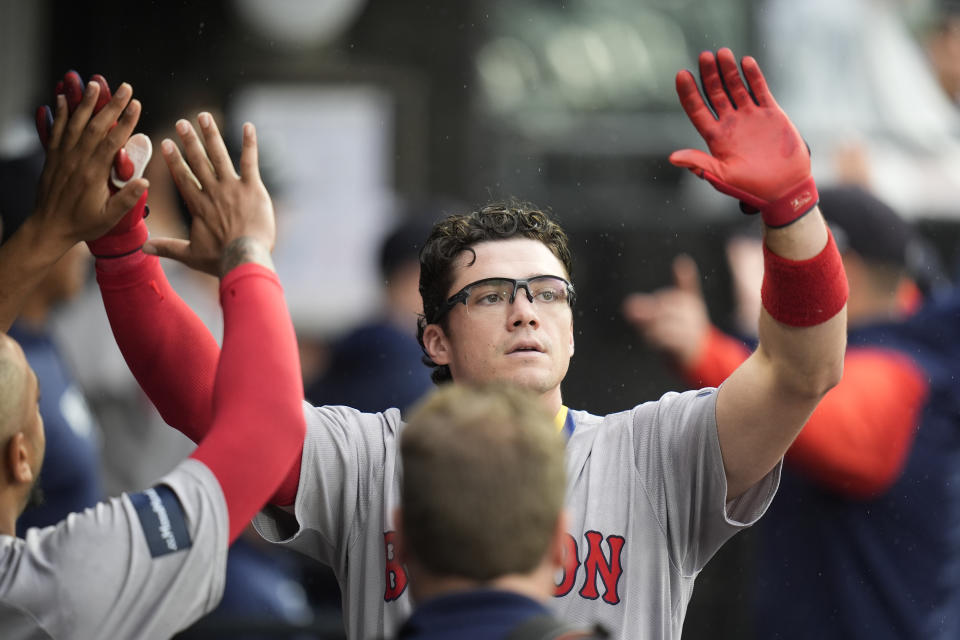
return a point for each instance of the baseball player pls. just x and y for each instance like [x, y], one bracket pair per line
[653, 491]
[148, 564]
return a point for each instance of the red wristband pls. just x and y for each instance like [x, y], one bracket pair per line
[803, 293]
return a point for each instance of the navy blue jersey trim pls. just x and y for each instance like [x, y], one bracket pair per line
[568, 425]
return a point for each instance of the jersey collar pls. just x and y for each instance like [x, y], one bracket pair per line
[564, 421]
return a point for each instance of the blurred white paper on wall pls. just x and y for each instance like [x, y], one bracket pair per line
[326, 152]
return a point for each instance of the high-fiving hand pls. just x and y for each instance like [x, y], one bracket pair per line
[74, 201]
[225, 206]
[756, 154]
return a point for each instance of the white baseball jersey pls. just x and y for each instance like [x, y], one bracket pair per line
[144, 565]
[646, 494]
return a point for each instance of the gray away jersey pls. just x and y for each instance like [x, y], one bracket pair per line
[136, 566]
[646, 493]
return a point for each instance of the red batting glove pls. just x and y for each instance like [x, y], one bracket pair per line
[756, 154]
[129, 234]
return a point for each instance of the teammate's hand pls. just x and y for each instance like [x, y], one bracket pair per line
[73, 200]
[129, 233]
[756, 154]
[674, 319]
[225, 206]
[71, 87]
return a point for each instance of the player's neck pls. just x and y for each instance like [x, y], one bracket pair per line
[552, 400]
[537, 585]
[9, 510]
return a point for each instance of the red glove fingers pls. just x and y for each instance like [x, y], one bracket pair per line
[44, 124]
[104, 96]
[72, 86]
[756, 154]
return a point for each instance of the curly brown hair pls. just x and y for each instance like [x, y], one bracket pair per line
[458, 233]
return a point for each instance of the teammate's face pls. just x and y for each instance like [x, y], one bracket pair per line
[527, 343]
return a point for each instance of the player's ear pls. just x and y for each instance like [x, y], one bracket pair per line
[17, 457]
[436, 344]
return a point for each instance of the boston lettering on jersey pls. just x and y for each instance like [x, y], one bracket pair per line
[598, 565]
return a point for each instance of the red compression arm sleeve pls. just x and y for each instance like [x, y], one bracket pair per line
[720, 356]
[858, 438]
[258, 426]
[168, 349]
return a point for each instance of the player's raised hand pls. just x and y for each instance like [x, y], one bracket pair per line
[225, 206]
[74, 201]
[756, 154]
[71, 87]
[673, 319]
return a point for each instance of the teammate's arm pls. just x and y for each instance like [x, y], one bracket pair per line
[73, 201]
[757, 156]
[258, 425]
[168, 349]
[858, 438]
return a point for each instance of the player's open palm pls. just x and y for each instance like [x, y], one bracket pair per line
[225, 206]
[756, 154]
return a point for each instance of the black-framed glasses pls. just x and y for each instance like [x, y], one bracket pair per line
[495, 295]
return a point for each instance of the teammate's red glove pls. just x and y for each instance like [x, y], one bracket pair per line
[130, 232]
[756, 154]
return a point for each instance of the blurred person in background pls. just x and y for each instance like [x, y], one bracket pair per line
[942, 42]
[909, 129]
[378, 364]
[863, 540]
[71, 481]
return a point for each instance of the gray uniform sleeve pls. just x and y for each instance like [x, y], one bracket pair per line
[679, 463]
[140, 566]
[346, 456]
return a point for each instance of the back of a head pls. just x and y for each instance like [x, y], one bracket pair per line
[483, 482]
[458, 233]
[13, 388]
[863, 223]
[868, 227]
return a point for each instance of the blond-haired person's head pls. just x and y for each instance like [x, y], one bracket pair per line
[482, 493]
[22, 439]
